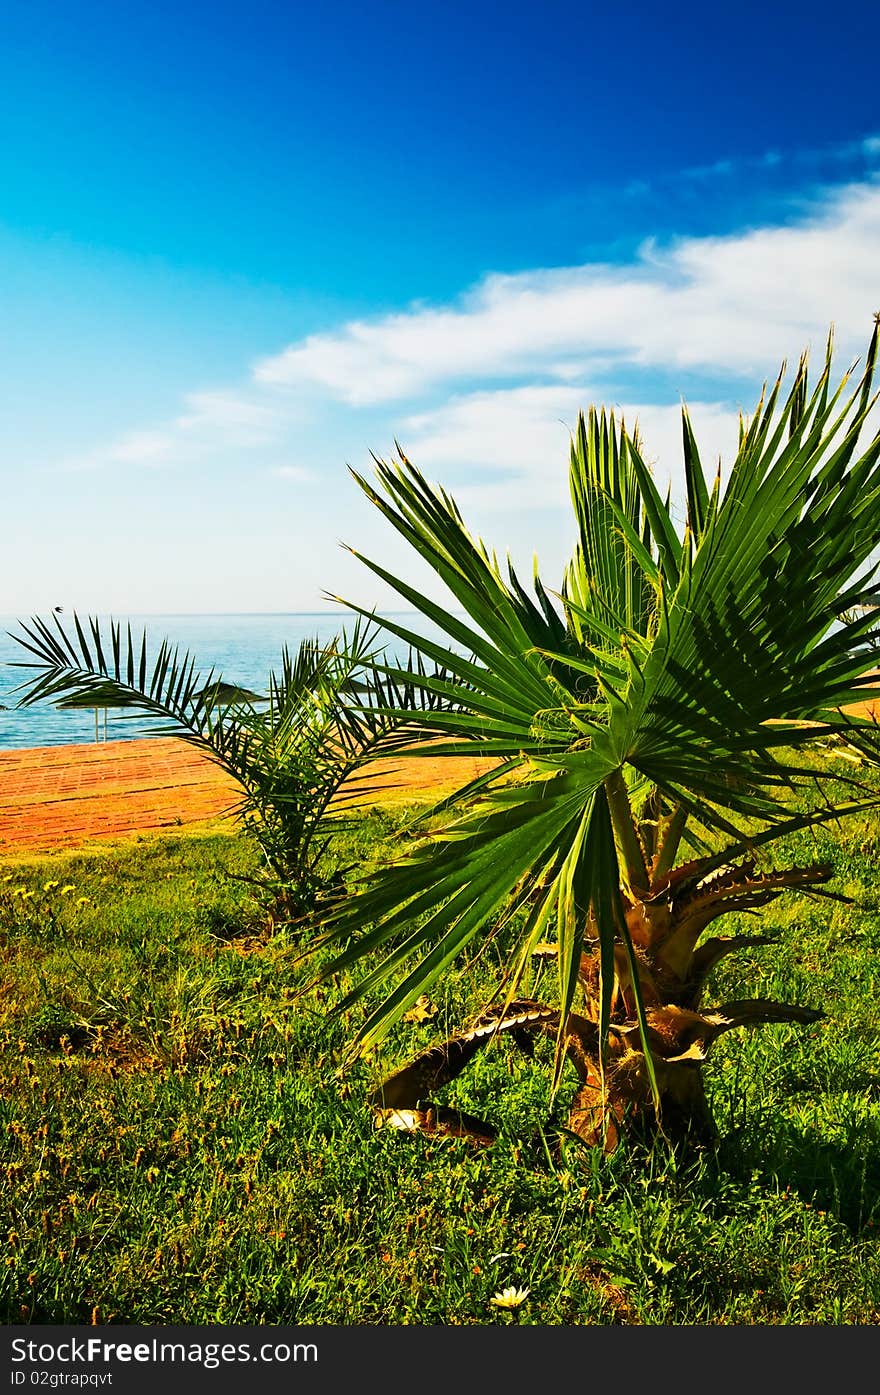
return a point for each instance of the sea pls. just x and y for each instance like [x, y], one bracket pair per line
[242, 649]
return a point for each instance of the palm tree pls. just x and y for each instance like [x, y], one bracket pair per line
[653, 724]
[295, 752]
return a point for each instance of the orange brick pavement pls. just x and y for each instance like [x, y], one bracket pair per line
[64, 796]
[61, 796]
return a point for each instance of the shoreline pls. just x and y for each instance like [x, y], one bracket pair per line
[65, 796]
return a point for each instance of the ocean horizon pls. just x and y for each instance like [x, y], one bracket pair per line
[242, 647]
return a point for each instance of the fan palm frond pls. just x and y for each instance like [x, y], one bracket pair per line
[671, 690]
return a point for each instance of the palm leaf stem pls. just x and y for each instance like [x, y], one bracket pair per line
[625, 833]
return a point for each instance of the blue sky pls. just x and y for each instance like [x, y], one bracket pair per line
[244, 246]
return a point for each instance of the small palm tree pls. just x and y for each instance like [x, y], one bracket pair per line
[294, 753]
[666, 699]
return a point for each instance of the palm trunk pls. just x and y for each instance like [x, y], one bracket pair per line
[615, 1094]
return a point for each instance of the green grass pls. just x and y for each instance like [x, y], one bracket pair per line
[181, 1142]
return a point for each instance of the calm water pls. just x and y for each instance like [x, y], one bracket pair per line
[243, 648]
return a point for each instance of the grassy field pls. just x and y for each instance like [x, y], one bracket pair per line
[182, 1143]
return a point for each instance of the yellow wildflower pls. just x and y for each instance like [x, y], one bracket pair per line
[510, 1297]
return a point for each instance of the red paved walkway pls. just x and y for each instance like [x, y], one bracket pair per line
[60, 796]
[63, 796]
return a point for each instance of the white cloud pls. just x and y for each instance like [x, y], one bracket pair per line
[292, 472]
[138, 448]
[207, 412]
[211, 423]
[509, 430]
[735, 305]
[508, 450]
[483, 393]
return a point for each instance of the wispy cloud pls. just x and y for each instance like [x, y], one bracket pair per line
[504, 450]
[714, 304]
[484, 392]
[228, 420]
[297, 473]
[853, 158]
[230, 412]
[850, 161]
